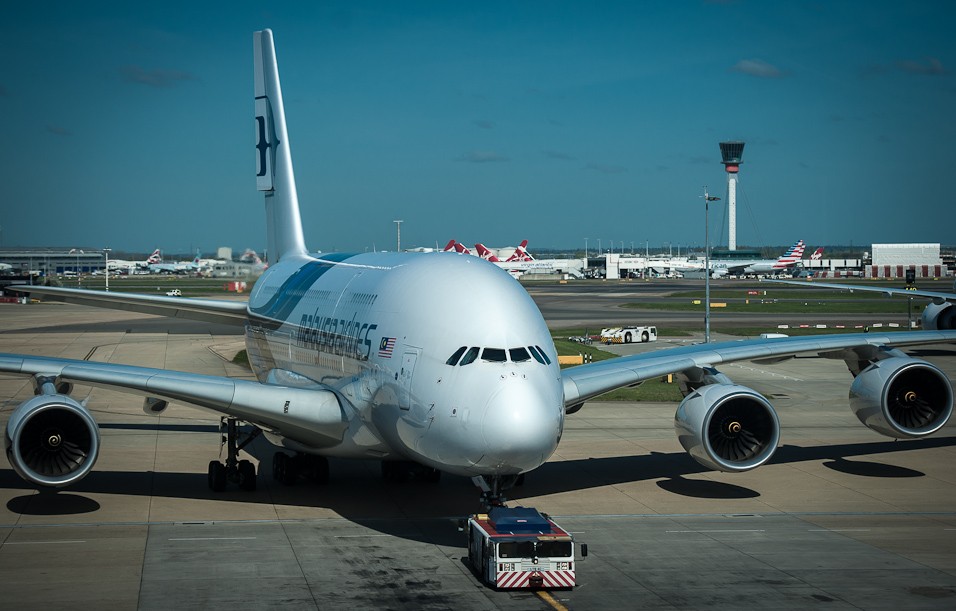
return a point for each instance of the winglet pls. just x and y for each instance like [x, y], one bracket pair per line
[274, 175]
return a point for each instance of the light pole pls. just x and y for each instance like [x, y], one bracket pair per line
[398, 229]
[707, 199]
[106, 251]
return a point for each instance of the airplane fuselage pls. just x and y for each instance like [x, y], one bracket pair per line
[380, 329]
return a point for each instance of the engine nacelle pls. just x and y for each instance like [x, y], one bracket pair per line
[939, 316]
[727, 427]
[901, 397]
[51, 440]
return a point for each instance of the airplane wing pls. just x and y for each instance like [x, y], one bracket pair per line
[937, 297]
[208, 310]
[288, 405]
[588, 381]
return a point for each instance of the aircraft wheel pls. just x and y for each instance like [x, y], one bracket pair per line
[247, 475]
[320, 470]
[280, 461]
[217, 476]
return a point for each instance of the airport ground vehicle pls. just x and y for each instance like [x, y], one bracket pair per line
[626, 335]
[174, 293]
[519, 547]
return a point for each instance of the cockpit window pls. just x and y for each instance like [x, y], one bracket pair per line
[519, 355]
[453, 359]
[470, 356]
[537, 355]
[544, 354]
[495, 355]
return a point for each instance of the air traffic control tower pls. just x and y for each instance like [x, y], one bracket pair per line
[731, 152]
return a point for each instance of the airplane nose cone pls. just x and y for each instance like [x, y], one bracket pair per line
[521, 428]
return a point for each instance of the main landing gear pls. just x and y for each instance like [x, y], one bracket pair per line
[287, 469]
[237, 471]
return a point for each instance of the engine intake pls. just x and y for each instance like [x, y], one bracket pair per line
[727, 427]
[901, 397]
[51, 440]
[939, 316]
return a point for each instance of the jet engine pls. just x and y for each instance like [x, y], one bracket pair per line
[902, 397]
[727, 427]
[939, 316]
[51, 440]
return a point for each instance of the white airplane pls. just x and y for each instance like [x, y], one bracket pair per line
[128, 267]
[939, 314]
[360, 356]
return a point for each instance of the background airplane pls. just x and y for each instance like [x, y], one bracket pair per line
[360, 356]
[939, 314]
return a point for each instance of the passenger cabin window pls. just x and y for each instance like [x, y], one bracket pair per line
[470, 356]
[494, 355]
[453, 359]
[519, 355]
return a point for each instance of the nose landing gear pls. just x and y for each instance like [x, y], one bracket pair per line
[493, 487]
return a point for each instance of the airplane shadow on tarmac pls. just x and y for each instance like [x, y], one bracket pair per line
[357, 492]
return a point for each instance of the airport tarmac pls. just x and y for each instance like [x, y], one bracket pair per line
[842, 518]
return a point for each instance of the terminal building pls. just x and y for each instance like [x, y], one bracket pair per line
[52, 262]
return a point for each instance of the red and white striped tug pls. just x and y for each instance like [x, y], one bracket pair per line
[519, 547]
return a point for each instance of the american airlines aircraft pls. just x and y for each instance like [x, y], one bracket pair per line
[359, 356]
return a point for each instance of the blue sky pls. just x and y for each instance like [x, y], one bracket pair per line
[132, 126]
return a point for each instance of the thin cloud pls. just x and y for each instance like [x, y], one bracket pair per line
[58, 131]
[482, 157]
[931, 66]
[558, 155]
[484, 123]
[605, 168]
[158, 78]
[758, 68]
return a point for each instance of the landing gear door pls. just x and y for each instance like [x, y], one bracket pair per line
[405, 378]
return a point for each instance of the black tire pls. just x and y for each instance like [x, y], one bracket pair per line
[279, 460]
[290, 470]
[217, 476]
[627, 338]
[316, 468]
[210, 471]
[645, 337]
[247, 475]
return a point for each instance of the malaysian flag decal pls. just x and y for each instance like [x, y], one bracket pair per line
[386, 347]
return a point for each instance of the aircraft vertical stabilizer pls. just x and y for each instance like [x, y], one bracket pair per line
[274, 174]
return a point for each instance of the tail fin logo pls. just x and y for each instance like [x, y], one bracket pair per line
[266, 144]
